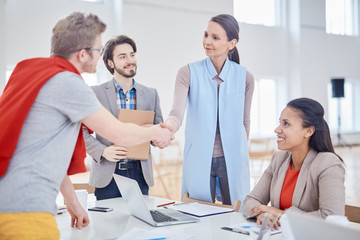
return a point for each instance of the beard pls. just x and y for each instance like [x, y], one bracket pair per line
[123, 73]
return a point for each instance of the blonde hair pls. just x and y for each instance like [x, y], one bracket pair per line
[75, 32]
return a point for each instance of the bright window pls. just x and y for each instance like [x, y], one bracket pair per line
[263, 108]
[342, 17]
[261, 12]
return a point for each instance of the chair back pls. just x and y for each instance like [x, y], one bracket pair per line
[86, 186]
[235, 206]
[352, 213]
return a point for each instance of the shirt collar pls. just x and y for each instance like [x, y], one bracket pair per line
[118, 87]
[212, 71]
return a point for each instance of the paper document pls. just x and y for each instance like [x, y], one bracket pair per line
[139, 117]
[199, 209]
[246, 226]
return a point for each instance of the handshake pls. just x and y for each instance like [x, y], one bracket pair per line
[163, 135]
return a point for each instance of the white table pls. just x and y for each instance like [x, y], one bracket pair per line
[113, 224]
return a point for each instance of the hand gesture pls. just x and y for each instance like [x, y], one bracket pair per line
[115, 153]
[79, 217]
[162, 135]
[267, 209]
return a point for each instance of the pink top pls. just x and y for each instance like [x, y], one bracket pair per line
[182, 86]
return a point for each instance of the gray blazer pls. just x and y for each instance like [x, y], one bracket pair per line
[319, 189]
[101, 169]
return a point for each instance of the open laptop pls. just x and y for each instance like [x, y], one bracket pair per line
[135, 202]
[314, 228]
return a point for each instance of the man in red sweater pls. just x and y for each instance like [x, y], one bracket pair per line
[41, 112]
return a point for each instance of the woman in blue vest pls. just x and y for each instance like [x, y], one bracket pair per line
[218, 91]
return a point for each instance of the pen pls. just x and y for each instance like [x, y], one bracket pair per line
[156, 238]
[236, 230]
[264, 225]
[274, 221]
[161, 205]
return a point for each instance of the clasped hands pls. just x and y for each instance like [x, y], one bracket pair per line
[163, 138]
[163, 144]
[262, 209]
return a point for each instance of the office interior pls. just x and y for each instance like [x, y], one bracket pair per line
[297, 57]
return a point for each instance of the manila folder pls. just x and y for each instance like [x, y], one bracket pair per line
[139, 117]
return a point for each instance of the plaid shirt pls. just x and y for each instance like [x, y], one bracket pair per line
[128, 100]
[125, 101]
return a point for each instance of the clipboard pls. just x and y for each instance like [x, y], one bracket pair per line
[139, 117]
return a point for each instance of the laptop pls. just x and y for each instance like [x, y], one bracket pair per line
[135, 202]
[314, 228]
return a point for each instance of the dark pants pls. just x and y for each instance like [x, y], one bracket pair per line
[133, 171]
[218, 170]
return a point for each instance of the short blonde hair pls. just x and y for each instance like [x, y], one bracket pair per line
[75, 32]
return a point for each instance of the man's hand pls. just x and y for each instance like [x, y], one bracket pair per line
[162, 135]
[115, 153]
[79, 217]
[163, 125]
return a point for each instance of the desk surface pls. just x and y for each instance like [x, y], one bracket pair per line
[113, 224]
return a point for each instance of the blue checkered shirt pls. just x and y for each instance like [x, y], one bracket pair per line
[125, 101]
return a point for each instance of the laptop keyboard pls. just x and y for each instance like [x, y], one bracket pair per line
[160, 217]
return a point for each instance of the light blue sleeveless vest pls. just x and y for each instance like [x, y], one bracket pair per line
[201, 127]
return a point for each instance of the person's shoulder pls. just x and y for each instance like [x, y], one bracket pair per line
[327, 159]
[102, 86]
[198, 63]
[66, 78]
[142, 87]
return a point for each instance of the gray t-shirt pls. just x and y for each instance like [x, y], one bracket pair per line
[46, 145]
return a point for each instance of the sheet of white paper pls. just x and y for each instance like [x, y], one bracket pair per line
[155, 233]
[246, 226]
[198, 209]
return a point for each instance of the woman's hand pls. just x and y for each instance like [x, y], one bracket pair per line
[267, 209]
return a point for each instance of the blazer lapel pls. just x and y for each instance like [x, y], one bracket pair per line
[302, 178]
[140, 99]
[110, 93]
[281, 177]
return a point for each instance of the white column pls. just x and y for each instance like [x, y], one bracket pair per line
[2, 45]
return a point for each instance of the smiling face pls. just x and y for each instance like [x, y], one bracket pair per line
[124, 61]
[215, 41]
[291, 134]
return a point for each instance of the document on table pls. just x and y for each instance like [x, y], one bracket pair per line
[245, 227]
[198, 209]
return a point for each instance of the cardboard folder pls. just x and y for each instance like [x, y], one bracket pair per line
[139, 117]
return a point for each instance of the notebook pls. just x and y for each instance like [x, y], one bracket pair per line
[314, 228]
[199, 210]
[135, 202]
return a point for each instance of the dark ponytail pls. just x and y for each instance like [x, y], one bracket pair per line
[231, 27]
[312, 114]
[234, 55]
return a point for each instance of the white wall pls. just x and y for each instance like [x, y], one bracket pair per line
[29, 24]
[169, 35]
